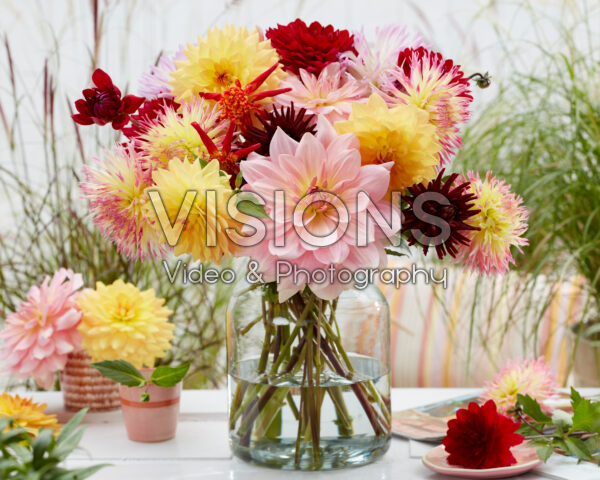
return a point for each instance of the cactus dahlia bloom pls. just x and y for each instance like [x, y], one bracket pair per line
[121, 322]
[171, 135]
[501, 222]
[27, 414]
[401, 134]
[373, 61]
[527, 377]
[115, 187]
[225, 55]
[434, 84]
[40, 334]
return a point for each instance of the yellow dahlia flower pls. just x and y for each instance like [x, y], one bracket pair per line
[121, 322]
[224, 55]
[27, 414]
[202, 230]
[401, 134]
[172, 135]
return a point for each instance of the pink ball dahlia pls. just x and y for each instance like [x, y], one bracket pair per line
[38, 337]
[311, 230]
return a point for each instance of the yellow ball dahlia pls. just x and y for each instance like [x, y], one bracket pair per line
[27, 414]
[121, 322]
[202, 230]
[223, 56]
[401, 134]
[173, 136]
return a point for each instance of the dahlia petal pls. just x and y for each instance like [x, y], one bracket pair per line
[131, 103]
[82, 119]
[119, 122]
[281, 144]
[101, 79]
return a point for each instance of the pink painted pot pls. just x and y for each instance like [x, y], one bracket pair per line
[153, 421]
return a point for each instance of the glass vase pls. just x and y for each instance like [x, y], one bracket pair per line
[309, 383]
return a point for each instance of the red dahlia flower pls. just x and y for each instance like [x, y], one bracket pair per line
[237, 102]
[480, 437]
[103, 104]
[295, 123]
[228, 160]
[442, 200]
[309, 47]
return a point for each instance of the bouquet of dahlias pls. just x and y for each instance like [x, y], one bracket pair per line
[314, 153]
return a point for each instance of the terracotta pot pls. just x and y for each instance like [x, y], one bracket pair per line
[83, 386]
[152, 421]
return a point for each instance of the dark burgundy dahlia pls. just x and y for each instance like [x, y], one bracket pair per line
[479, 437]
[103, 103]
[436, 215]
[295, 123]
[311, 47]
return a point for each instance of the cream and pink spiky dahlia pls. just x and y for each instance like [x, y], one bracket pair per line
[115, 187]
[527, 377]
[501, 220]
[436, 85]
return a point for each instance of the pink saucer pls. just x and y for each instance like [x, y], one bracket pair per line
[527, 459]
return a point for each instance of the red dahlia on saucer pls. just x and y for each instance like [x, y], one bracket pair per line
[310, 47]
[479, 437]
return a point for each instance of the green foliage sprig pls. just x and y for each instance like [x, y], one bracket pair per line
[126, 374]
[577, 434]
[25, 457]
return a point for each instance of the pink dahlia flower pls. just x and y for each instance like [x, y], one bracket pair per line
[38, 337]
[318, 176]
[156, 83]
[331, 94]
[373, 61]
[500, 224]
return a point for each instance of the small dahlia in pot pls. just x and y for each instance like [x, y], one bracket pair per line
[480, 437]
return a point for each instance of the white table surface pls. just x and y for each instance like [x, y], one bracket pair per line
[201, 451]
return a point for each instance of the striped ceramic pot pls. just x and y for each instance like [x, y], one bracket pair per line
[84, 387]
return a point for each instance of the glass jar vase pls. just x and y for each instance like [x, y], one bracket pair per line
[309, 379]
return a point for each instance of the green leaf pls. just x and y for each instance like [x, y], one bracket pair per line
[145, 397]
[81, 473]
[578, 448]
[532, 408]
[71, 425]
[40, 446]
[165, 376]
[545, 452]
[248, 203]
[121, 372]
[394, 253]
[586, 414]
